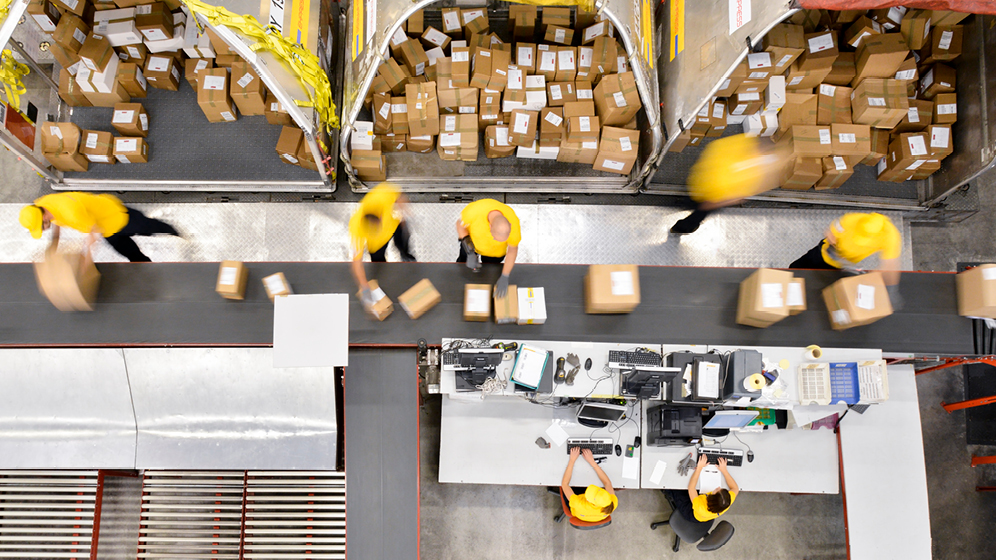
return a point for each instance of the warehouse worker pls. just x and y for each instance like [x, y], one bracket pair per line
[729, 170]
[853, 238]
[378, 220]
[695, 506]
[489, 231]
[594, 503]
[96, 215]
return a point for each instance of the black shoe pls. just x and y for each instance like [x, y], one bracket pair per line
[683, 228]
[405, 257]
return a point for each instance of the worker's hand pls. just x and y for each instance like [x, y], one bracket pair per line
[575, 451]
[89, 241]
[588, 456]
[366, 296]
[468, 245]
[894, 298]
[703, 461]
[721, 462]
[501, 288]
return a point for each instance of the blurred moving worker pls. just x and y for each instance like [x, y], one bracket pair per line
[853, 238]
[592, 504]
[702, 507]
[729, 170]
[378, 220]
[489, 231]
[93, 214]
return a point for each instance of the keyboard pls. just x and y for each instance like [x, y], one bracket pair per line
[734, 457]
[598, 446]
[450, 360]
[619, 359]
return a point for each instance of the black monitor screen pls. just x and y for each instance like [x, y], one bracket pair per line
[595, 412]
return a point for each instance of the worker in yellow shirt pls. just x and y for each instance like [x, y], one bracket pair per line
[377, 221]
[853, 238]
[489, 231]
[703, 507]
[593, 504]
[94, 214]
[729, 170]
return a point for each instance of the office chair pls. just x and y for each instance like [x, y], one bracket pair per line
[574, 521]
[696, 531]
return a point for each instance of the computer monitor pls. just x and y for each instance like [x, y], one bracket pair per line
[476, 365]
[645, 382]
[733, 420]
[595, 414]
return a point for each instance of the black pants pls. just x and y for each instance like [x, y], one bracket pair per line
[682, 503]
[813, 259]
[492, 260]
[401, 239]
[691, 222]
[138, 224]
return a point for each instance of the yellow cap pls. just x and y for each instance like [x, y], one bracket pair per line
[31, 218]
[597, 496]
[729, 168]
[870, 227]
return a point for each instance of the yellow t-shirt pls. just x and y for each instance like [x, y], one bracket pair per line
[728, 169]
[379, 202]
[702, 513]
[585, 511]
[475, 219]
[853, 245]
[81, 211]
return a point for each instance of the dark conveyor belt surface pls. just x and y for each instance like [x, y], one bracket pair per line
[175, 304]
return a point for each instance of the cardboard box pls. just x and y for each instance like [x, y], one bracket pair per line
[289, 144]
[833, 104]
[801, 173]
[480, 68]
[977, 291]
[98, 82]
[939, 78]
[131, 150]
[559, 93]
[944, 44]
[275, 112]
[850, 140]
[941, 143]
[890, 18]
[800, 108]
[617, 99]
[496, 144]
[61, 146]
[247, 90]
[880, 57]
[458, 137]
[500, 61]
[843, 70]
[522, 127]
[928, 168]
[45, 14]
[507, 308]
[116, 95]
[423, 109]
[808, 141]
[945, 108]
[538, 150]
[879, 146]
[71, 32]
[820, 51]
[552, 124]
[799, 79]
[617, 150]
[130, 119]
[193, 66]
[97, 52]
[567, 66]
[420, 298]
[415, 23]
[213, 97]
[879, 103]
[611, 289]
[233, 277]
[855, 301]
[477, 302]
[70, 91]
[452, 24]
[836, 171]
[421, 144]
[532, 306]
[759, 124]
[433, 37]
[69, 280]
[133, 53]
[796, 298]
[733, 81]
[785, 42]
[546, 62]
[918, 116]
[577, 152]
[915, 28]
[162, 72]
[906, 150]
[490, 110]
[458, 100]
[523, 20]
[118, 26]
[414, 57]
[369, 165]
[475, 20]
[196, 44]
[276, 285]
[581, 129]
[154, 21]
[395, 78]
[861, 29]
[762, 299]
[98, 146]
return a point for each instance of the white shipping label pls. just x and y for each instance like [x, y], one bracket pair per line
[916, 164]
[122, 117]
[866, 297]
[824, 136]
[143, 10]
[141, 80]
[913, 115]
[584, 123]
[435, 37]
[133, 52]
[906, 74]
[758, 75]
[418, 105]
[726, 84]
[841, 317]
[385, 110]
[125, 144]
[395, 108]
[548, 62]
[594, 31]
[718, 111]
[940, 136]
[622, 283]
[478, 301]
[896, 14]
[514, 78]
[739, 110]
[214, 82]
[945, 84]
[947, 109]
[881, 165]
[98, 159]
[856, 42]
[584, 94]
[420, 69]
[451, 21]
[821, 43]
[398, 37]
[926, 29]
[989, 273]
[73, 69]
[945, 42]
[585, 54]
[471, 15]
[467, 110]
[759, 60]
[927, 80]
[781, 62]
[876, 102]
[846, 138]
[917, 146]
[525, 56]
[521, 124]
[227, 276]
[621, 64]
[555, 93]
[558, 36]
[449, 123]
[704, 112]
[771, 295]
[486, 54]
[827, 90]
[154, 34]
[122, 158]
[749, 97]
[589, 145]
[158, 64]
[245, 80]
[79, 35]
[794, 297]
[227, 116]
[449, 139]
[554, 119]
[619, 98]
[143, 121]
[501, 135]
[839, 163]
[176, 73]
[613, 164]
[625, 144]
[565, 60]
[461, 56]
[274, 284]
[489, 100]
[91, 141]
[796, 80]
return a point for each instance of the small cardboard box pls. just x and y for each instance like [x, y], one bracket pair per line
[796, 298]
[879, 103]
[977, 291]
[800, 108]
[415, 23]
[69, 280]
[477, 302]
[617, 99]
[907, 148]
[131, 150]
[70, 91]
[944, 44]
[382, 113]
[546, 62]
[833, 104]
[433, 37]
[611, 288]
[762, 300]
[61, 146]
[945, 108]
[130, 119]
[289, 144]
[918, 116]
[458, 100]
[836, 171]
[574, 152]
[276, 285]
[850, 139]
[785, 42]
[154, 21]
[507, 308]
[414, 57]
[552, 124]
[162, 72]
[843, 70]
[383, 306]
[275, 111]
[820, 51]
[861, 29]
[421, 144]
[617, 150]
[423, 109]
[855, 301]
[532, 306]
[458, 137]
[96, 52]
[801, 173]
[452, 25]
[560, 93]
[233, 277]
[915, 28]
[475, 20]
[939, 78]
[805, 80]
[522, 127]
[393, 143]
[880, 57]
[808, 141]
[567, 66]
[480, 68]
[369, 165]
[45, 14]
[420, 298]
[496, 144]
[941, 144]
[98, 146]
[559, 35]
[247, 89]
[213, 95]
[193, 66]
[393, 75]
[581, 129]
[399, 115]
[71, 32]
[500, 61]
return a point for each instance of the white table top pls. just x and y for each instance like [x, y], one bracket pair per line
[311, 330]
[883, 461]
[493, 442]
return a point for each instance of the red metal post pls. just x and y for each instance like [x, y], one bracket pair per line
[990, 460]
[968, 404]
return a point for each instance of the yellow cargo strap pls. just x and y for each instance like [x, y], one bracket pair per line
[11, 72]
[302, 62]
[586, 5]
[4, 9]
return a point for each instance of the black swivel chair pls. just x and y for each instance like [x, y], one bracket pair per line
[696, 531]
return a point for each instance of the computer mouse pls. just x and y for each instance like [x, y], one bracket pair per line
[750, 456]
[636, 442]
[587, 364]
[618, 450]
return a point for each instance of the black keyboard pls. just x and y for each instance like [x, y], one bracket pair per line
[734, 457]
[598, 446]
[450, 358]
[635, 358]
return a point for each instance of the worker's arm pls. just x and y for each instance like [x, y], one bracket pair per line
[565, 484]
[95, 233]
[462, 230]
[726, 475]
[359, 273]
[604, 478]
[55, 238]
[890, 271]
[694, 481]
[510, 256]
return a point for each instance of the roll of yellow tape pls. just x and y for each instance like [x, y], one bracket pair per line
[754, 382]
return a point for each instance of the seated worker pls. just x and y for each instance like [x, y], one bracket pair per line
[704, 507]
[489, 231]
[377, 221]
[853, 238]
[592, 504]
[729, 170]
[93, 214]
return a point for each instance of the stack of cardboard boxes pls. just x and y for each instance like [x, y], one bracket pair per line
[548, 90]
[838, 89]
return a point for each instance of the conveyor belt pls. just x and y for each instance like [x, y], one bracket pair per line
[175, 304]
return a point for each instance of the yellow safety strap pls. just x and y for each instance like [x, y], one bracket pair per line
[4, 9]
[11, 72]
[586, 5]
[301, 61]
